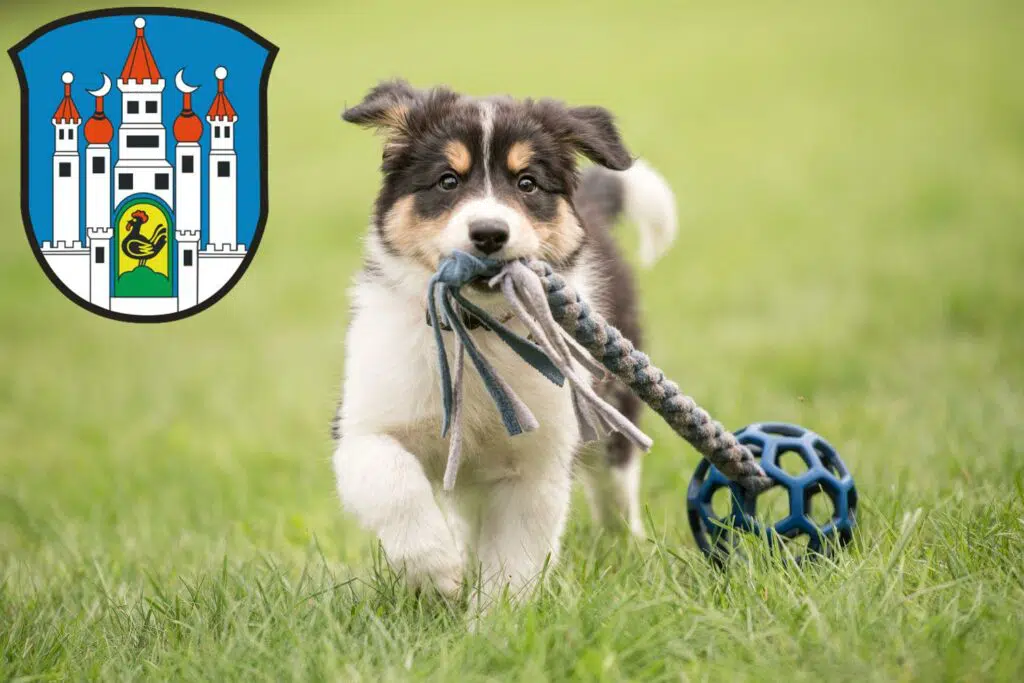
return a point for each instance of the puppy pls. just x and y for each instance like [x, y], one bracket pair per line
[495, 177]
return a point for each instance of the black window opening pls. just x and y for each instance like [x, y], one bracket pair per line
[60, 133]
[163, 181]
[71, 133]
[223, 169]
[125, 181]
[216, 131]
[133, 107]
[143, 141]
[187, 258]
[227, 131]
[187, 164]
[151, 107]
[64, 169]
[100, 254]
[99, 165]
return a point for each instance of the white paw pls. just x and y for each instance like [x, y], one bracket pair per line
[435, 567]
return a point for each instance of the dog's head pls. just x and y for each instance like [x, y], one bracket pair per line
[494, 177]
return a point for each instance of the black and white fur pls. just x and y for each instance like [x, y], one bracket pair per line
[492, 175]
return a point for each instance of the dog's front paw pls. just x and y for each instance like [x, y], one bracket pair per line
[436, 567]
[427, 555]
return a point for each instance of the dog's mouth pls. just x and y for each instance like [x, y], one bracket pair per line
[473, 271]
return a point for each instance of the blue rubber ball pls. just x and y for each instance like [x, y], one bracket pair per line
[817, 482]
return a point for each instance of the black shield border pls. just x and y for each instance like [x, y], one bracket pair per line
[261, 223]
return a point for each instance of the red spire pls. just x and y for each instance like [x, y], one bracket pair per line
[140, 65]
[98, 129]
[221, 108]
[67, 112]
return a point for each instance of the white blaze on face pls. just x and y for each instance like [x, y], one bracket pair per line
[522, 240]
[487, 126]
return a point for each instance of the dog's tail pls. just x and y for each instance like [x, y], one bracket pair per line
[640, 194]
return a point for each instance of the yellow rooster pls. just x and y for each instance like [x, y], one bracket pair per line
[139, 247]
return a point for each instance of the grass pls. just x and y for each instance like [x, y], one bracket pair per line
[851, 178]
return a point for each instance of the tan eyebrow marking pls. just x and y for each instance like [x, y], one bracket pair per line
[519, 156]
[458, 156]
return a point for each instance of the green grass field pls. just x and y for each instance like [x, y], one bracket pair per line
[851, 184]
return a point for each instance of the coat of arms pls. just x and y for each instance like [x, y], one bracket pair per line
[144, 157]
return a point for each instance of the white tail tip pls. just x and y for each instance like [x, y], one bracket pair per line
[649, 202]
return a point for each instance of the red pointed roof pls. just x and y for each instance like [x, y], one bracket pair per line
[140, 65]
[221, 108]
[67, 112]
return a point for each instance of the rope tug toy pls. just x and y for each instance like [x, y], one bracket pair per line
[563, 327]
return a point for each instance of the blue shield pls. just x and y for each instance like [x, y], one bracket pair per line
[144, 157]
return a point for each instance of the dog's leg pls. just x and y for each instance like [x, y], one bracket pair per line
[611, 474]
[385, 488]
[613, 488]
[521, 525]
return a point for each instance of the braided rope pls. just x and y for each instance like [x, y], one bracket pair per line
[543, 299]
[634, 368]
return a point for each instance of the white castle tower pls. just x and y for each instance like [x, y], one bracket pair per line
[142, 139]
[99, 131]
[66, 165]
[188, 174]
[223, 167]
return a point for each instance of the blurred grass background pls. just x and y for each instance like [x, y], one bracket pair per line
[851, 185]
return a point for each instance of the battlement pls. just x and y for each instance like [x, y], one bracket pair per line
[61, 245]
[223, 250]
[186, 235]
[99, 233]
[145, 85]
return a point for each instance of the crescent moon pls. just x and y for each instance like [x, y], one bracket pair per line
[179, 80]
[103, 89]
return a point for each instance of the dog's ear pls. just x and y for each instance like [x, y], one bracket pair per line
[385, 108]
[592, 131]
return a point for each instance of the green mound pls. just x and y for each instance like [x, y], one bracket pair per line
[143, 281]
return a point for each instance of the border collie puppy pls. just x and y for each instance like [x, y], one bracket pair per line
[496, 177]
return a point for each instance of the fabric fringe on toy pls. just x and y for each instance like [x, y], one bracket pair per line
[565, 328]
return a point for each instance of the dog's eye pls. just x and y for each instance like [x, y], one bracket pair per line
[448, 182]
[527, 184]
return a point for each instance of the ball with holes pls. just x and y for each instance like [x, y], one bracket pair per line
[810, 509]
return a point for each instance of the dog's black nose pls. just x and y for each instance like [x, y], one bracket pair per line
[488, 234]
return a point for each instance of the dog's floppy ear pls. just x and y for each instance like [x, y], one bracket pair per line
[385, 108]
[593, 132]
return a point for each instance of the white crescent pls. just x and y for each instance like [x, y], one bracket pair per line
[103, 89]
[179, 80]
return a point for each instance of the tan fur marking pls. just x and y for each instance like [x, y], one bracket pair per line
[410, 235]
[519, 156]
[458, 156]
[560, 237]
[396, 118]
[394, 126]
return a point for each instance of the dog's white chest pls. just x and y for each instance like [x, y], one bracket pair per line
[392, 386]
